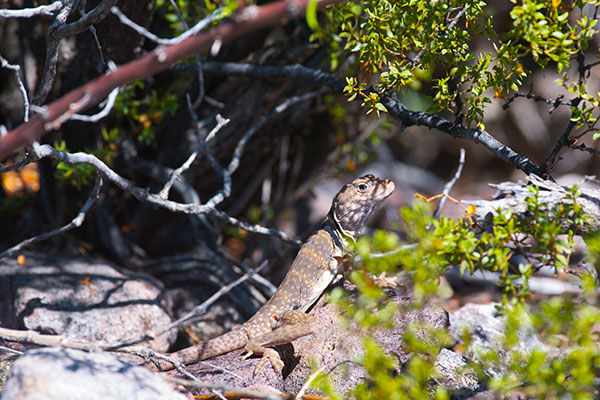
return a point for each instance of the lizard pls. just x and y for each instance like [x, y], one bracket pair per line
[318, 264]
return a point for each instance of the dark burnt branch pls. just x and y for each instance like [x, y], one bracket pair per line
[59, 30]
[498, 149]
[90, 94]
[395, 108]
[557, 102]
[583, 147]
[564, 141]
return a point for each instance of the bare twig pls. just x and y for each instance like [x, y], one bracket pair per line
[32, 337]
[43, 151]
[558, 101]
[225, 191]
[563, 141]
[98, 45]
[448, 186]
[110, 102]
[311, 378]
[76, 222]
[397, 250]
[198, 101]
[583, 147]
[164, 193]
[5, 64]
[203, 23]
[255, 228]
[13, 351]
[201, 308]
[48, 10]
[257, 278]
[244, 393]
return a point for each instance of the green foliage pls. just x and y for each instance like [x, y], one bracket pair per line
[77, 174]
[538, 236]
[394, 40]
[82, 174]
[370, 99]
[144, 110]
[567, 367]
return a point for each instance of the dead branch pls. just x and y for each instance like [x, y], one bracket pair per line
[58, 31]
[17, 69]
[48, 10]
[90, 94]
[244, 393]
[448, 186]
[512, 197]
[47, 151]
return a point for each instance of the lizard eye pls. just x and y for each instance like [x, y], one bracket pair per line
[362, 187]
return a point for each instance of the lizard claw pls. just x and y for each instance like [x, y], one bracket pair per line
[248, 354]
[274, 358]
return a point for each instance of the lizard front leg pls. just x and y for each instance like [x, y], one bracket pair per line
[292, 325]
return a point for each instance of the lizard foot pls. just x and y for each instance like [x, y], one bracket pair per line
[268, 354]
[386, 282]
[274, 358]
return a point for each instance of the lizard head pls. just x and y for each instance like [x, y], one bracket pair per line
[357, 201]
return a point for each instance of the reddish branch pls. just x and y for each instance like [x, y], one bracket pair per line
[90, 94]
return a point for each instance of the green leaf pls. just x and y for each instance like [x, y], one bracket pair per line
[311, 15]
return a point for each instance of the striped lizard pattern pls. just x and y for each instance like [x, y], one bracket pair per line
[318, 263]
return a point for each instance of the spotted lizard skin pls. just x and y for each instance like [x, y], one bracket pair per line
[317, 264]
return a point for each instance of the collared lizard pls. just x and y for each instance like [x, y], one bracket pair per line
[283, 318]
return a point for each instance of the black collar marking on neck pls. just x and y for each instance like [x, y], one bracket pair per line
[331, 226]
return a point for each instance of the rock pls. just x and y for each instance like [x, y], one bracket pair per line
[68, 374]
[487, 333]
[48, 294]
[331, 344]
[454, 375]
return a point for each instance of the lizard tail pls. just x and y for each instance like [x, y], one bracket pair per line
[230, 341]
